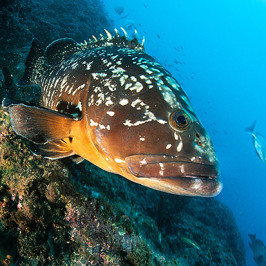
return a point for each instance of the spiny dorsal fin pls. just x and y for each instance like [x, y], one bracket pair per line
[60, 49]
[32, 63]
[114, 40]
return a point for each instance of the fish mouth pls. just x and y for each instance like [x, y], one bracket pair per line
[176, 174]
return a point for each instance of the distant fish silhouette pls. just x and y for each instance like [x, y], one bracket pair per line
[259, 250]
[119, 10]
[259, 142]
[191, 242]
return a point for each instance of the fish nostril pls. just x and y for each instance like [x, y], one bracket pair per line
[198, 139]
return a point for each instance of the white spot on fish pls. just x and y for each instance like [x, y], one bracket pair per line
[134, 103]
[141, 139]
[179, 146]
[176, 136]
[173, 83]
[143, 77]
[169, 96]
[161, 121]
[63, 83]
[92, 123]
[74, 66]
[118, 72]
[108, 101]
[77, 89]
[129, 124]
[196, 184]
[101, 126]
[119, 160]
[128, 85]
[143, 162]
[168, 146]
[114, 57]
[98, 75]
[124, 102]
[111, 113]
[137, 87]
[193, 159]
[88, 66]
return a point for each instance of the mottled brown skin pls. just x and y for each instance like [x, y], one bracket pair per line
[122, 111]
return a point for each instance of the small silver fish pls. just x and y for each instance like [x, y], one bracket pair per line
[190, 242]
[259, 142]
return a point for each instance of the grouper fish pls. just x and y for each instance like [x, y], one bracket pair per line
[109, 102]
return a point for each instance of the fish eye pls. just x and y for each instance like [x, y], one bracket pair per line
[179, 120]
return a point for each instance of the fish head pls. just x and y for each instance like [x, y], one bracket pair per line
[155, 139]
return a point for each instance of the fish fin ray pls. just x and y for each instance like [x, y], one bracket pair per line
[39, 125]
[115, 40]
[53, 150]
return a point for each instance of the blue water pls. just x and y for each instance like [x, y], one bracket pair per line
[220, 48]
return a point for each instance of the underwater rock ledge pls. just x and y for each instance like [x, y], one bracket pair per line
[60, 213]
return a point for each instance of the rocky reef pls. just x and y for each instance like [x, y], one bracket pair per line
[62, 213]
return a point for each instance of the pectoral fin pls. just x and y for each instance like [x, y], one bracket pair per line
[53, 150]
[50, 130]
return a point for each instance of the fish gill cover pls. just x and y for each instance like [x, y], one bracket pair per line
[56, 212]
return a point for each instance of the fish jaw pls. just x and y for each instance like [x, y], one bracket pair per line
[175, 175]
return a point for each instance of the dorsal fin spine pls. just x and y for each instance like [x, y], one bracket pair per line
[125, 33]
[109, 35]
[114, 40]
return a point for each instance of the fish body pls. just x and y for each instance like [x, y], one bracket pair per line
[259, 250]
[259, 142]
[112, 104]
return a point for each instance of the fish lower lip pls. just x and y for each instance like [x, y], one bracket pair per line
[176, 175]
[161, 166]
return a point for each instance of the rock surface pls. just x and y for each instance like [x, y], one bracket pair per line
[23, 20]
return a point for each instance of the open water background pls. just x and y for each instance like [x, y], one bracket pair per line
[216, 50]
